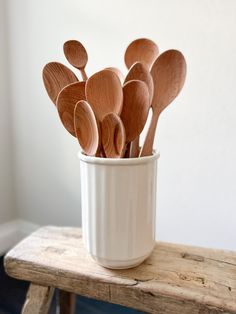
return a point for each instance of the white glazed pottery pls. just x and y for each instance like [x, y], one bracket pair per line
[118, 208]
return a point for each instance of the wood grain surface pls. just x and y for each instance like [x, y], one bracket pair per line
[104, 93]
[174, 279]
[135, 108]
[66, 101]
[142, 50]
[38, 300]
[113, 136]
[55, 77]
[86, 128]
[168, 73]
[76, 55]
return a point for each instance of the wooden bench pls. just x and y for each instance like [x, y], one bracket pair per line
[174, 279]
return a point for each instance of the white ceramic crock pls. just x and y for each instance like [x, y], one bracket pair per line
[118, 208]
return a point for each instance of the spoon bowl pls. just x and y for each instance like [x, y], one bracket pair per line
[66, 102]
[117, 72]
[104, 93]
[113, 135]
[86, 128]
[55, 77]
[142, 50]
[76, 55]
[135, 108]
[139, 71]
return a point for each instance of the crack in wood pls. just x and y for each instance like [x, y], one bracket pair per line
[220, 261]
[193, 257]
[191, 278]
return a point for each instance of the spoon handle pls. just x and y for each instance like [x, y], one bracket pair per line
[84, 75]
[127, 150]
[135, 148]
[148, 143]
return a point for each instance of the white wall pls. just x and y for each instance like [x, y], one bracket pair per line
[6, 187]
[196, 134]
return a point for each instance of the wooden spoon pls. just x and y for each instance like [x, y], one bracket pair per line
[113, 135]
[55, 77]
[66, 102]
[139, 71]
[135, 108]
[118, 73]
[76, 55]
[104, 93]
[86, 128]
[168, 72]
[143, 50]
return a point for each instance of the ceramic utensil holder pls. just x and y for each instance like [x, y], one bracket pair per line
[118, 208]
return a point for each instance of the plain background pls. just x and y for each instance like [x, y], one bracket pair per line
[39, 169]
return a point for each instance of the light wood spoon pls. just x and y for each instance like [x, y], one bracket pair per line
[168, 73]
[66, 102]
[143, 50]
[86, 128]
[139, 71]
[136, 105]
[55, 77]
[113, 136]
[76, 55]
[117, 72]
[104, 93]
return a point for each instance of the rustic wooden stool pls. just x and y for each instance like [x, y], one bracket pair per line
[175, 279]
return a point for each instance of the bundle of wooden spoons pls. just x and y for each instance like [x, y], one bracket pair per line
[107, 111]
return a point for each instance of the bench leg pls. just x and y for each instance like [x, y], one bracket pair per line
[67, 302]
[38, 299]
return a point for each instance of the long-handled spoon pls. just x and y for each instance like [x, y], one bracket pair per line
[143, 50]
[168, 73]
[139, 71]
[135, 108]
[86, 128]
[66, 101]
[117, 72]
[55, 77]
[76, 55]
[113, 135]
[104, 93]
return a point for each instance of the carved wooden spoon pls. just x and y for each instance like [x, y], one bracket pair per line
[113, 135]
[143, 50]
[86, 128]
[136, 105]
[55, 77]
[66, 102]
[168, 72]
[117, 72]
[139, 71]
[104, 93]
[76, 55]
